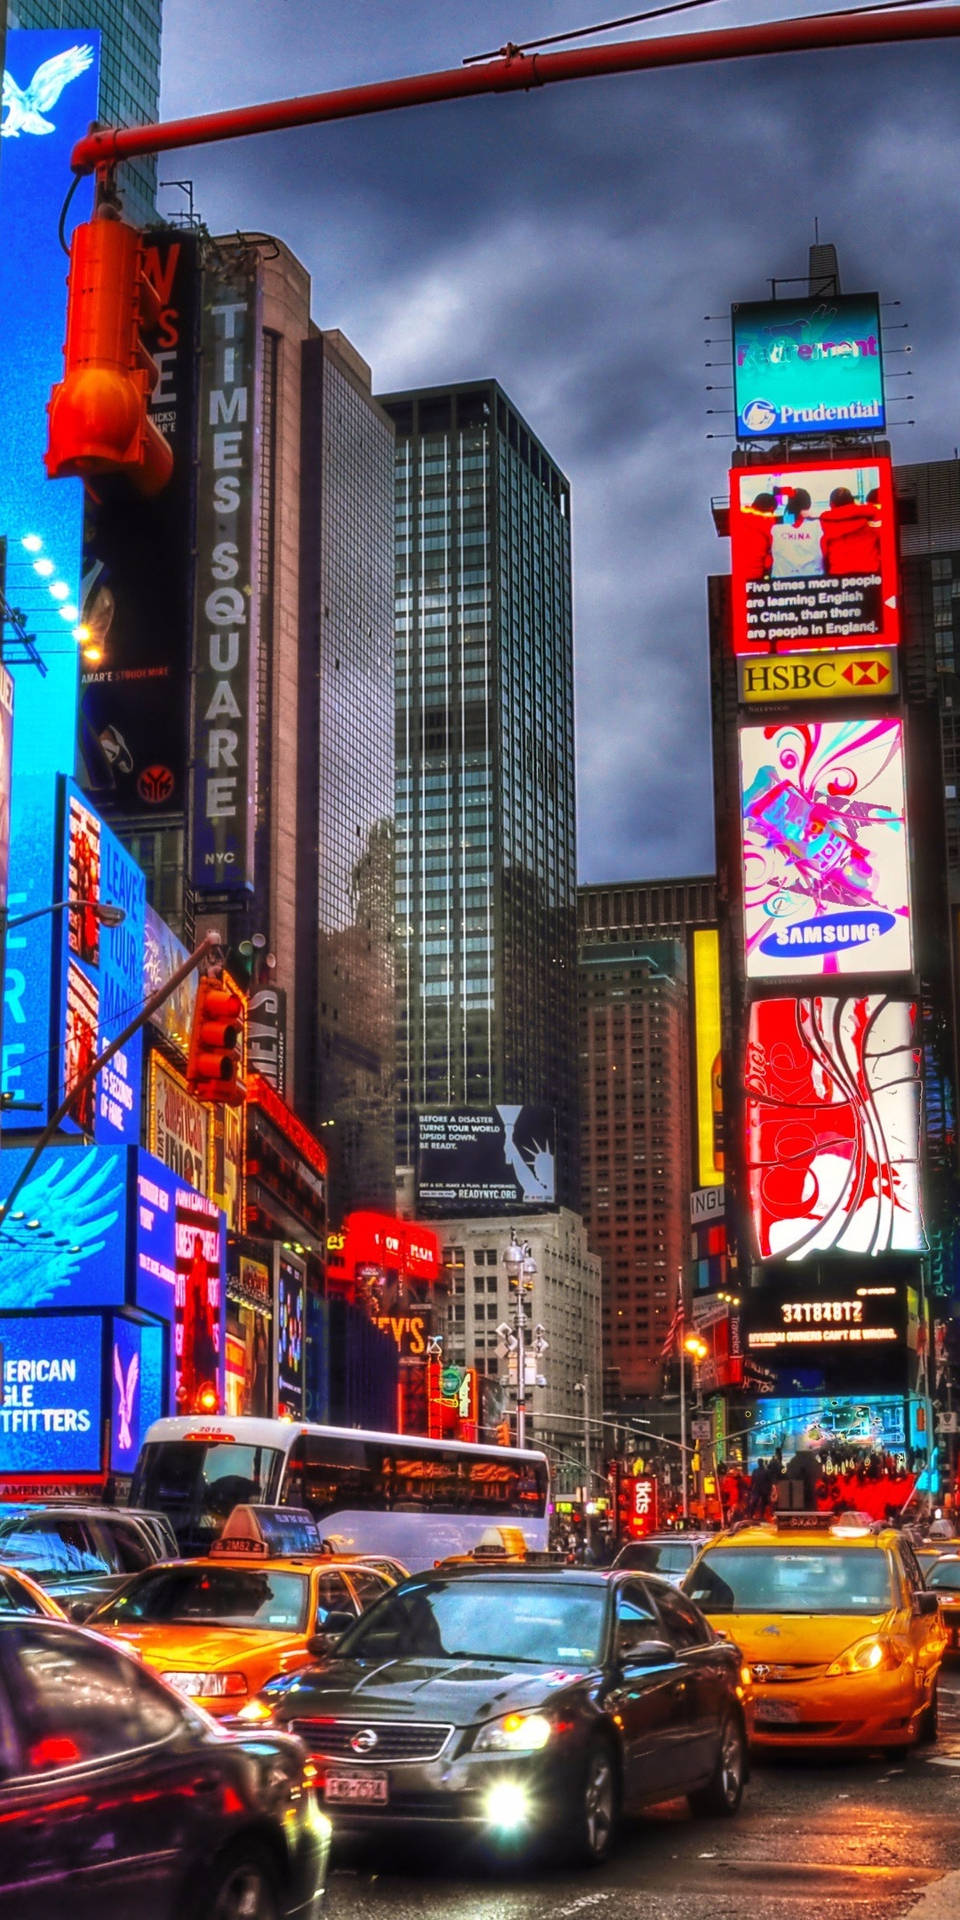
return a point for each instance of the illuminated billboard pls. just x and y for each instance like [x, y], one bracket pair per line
[810, 366]
[179, 1267]
[824, 844]
[708, 1087]
[50, 1409]
[858, 1425]
[64, 1244]
[486, 1159]
[101, 972]
[136, 1387]
[843, 1335]
[813, 556]
[50, 99]
[832, 1114]
[291, 1350]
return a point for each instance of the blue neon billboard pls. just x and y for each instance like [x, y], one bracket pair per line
[50, 99]
[136, 1387]
[65, 1242]
[179, 1261]
[51, 1412]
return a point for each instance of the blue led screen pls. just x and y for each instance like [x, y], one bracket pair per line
[101, 972]
[136, 1388]
[180, 1275]
[27, 1022]
[52, 1390]
[50, 99]
[65, 1242]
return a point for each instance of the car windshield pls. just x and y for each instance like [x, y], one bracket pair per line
[48, 1547]
[657, 1556]
[221, 1596]
[945, 1574]
[792, 1580]
[542, 1624]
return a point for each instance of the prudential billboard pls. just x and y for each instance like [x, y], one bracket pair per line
[803, 367]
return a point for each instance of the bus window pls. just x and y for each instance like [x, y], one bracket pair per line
[199, 1484]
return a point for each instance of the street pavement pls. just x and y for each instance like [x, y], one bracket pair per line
[818, 1838]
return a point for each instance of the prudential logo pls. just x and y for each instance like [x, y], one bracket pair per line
[759, 416]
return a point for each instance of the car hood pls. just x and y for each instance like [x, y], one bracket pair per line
[785, 1639]
[201, 1649]
[457, 1691]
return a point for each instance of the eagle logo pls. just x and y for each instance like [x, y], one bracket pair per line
[126, 1388]
[24, 108]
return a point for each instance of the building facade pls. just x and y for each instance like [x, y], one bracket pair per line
[129, 75]
[347, 771]
[485, 889]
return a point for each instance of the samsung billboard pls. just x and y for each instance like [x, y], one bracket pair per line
[808, 367]
[486, 1159]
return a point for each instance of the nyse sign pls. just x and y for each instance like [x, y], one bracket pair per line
[869, 672]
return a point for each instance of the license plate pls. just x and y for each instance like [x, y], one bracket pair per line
[776, 1712]
[366, 1788]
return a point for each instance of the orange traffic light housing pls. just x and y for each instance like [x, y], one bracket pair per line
[215, 1060]
[98, 413]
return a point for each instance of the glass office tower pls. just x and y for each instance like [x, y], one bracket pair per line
[485, 823]
[129, 75]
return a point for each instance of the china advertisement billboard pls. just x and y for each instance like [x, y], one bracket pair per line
[486, 1159]
[137, 581]
[813, 556]
[824, 849]
[102, 972]
[51, 1406]
[832, 1112]
[807, 367]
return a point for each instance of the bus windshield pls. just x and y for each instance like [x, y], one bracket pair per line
[198, 1483]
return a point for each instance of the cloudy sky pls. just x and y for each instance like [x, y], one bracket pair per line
[569, 244]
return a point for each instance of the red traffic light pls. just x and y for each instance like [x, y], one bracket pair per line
[98, 418]
[215, 1060]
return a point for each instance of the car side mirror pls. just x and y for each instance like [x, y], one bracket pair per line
[925, 1600]
[80, 1610]
[326, 1636]
[649, 1653]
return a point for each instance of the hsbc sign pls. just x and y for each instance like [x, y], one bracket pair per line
[870, 671]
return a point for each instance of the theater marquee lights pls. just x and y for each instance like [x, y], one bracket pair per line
[813, 556]
[824, 843]
[832, 1106]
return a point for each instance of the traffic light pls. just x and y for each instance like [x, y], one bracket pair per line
[503, 1434]
[215, 1060]
[98, 419]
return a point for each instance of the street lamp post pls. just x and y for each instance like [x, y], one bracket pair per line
[104, 911]
[697, 1350]
[583, 1386]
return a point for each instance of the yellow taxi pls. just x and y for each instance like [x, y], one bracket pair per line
[841, 1642]
[943, 1579]
[220, 1627]
[19, 1593]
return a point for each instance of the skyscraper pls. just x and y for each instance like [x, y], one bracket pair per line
[129, 75]
[486, 909]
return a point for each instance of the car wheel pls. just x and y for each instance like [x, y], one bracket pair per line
[242, 1887]
[598, 1807]
[724, 1790]
[928, 1724]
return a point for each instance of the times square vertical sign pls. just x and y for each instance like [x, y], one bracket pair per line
[226, 625]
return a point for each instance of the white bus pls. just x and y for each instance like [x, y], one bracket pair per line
[414, 1499]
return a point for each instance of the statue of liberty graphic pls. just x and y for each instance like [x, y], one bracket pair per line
[533, 1161]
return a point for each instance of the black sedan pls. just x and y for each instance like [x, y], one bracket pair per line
[520, 1705]
[118, 1798]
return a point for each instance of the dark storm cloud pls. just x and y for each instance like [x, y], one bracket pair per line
[568, 243]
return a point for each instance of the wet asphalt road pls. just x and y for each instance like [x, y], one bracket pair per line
[816, 1839]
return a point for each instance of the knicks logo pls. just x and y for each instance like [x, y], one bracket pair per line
[154, 785]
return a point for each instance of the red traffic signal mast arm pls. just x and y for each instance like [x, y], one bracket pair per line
[519, 72]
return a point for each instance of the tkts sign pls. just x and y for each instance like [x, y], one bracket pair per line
[225, 630]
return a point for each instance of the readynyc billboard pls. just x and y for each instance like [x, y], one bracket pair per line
[804, 367]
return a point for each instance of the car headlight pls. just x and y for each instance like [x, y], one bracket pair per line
[208, 1686]
[256, 1713]
[514, 1733]
[867, 1656]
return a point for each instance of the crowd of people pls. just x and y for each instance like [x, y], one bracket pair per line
[782, 537]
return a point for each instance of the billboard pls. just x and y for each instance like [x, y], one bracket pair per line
[136, 1387]
[824, 849]
[832, 1111]
[51, 1406]
[179, 1125]
[225, 621]
[64, 1244]
[137, 582]
[859, 675]
[6, 774]
[813, 556]
[810, 366]
[179, 1267]
[708, 1082]
[290, 1346]
[101, 972]
[163, 953]
[43, 577]
[486, 1159]
[834, 1335]
[855, 1424]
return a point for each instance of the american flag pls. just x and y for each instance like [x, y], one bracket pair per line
[675, 1328]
